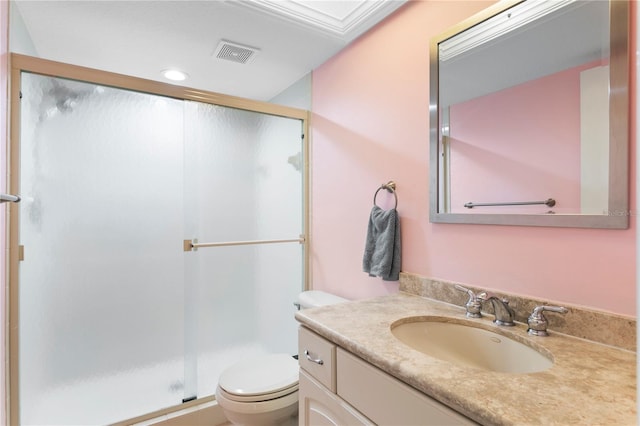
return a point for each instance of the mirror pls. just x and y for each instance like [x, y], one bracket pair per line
[529, 116]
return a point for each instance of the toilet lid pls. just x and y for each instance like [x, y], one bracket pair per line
[315, 298]
[260, 375]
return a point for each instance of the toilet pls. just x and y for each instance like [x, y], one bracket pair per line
[263, 390]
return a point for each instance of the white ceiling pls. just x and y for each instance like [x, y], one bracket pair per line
[142, 38]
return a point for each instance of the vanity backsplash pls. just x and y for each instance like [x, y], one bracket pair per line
[590, 324]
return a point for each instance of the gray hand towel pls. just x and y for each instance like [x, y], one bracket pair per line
[382, 254]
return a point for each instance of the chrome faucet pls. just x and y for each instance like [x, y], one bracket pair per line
[474, 304]
[538, 322]
[504, 314]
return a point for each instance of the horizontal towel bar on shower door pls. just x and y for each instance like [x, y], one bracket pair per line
[8, 198]
[193, 245]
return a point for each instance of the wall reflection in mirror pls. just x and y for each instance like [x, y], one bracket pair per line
[530, 103]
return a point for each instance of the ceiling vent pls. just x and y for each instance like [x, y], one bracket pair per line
[235, 52]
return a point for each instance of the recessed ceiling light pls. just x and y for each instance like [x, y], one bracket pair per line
[175, 75]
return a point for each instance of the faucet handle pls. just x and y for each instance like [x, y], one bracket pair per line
[474, 304]
[537, 321]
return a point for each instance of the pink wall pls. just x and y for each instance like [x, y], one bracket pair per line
[370, 124]
[502, 163]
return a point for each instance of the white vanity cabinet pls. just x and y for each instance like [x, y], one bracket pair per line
[318, 403]
[338, 388]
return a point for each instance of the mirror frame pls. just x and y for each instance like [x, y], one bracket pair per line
[618, 211]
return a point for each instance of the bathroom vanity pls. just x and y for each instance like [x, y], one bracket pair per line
[355, 371]
[337, 386]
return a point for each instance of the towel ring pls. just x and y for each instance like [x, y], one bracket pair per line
[389, 186]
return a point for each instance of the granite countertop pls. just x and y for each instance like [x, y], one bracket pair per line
[589, 383]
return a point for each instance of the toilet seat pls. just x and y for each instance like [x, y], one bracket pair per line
[260, 379]
[260, 397]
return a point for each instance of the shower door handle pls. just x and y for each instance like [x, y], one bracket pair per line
[4, 198]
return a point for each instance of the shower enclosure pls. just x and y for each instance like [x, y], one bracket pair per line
[160, 237]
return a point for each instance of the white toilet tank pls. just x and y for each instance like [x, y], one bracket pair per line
[315, 298]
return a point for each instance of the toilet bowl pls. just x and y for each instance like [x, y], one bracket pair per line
[263, 390]
[260, 391]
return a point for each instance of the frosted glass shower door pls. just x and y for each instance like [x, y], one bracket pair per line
[244, 180]
[101, 283]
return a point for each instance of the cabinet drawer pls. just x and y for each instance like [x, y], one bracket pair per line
[386, 400]
[318, 357]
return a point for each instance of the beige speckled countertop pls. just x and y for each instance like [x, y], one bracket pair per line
[589, 383]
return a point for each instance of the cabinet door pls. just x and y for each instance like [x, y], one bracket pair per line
[319, 407]
[388, 401]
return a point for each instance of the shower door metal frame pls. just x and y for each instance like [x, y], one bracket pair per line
[21, 63]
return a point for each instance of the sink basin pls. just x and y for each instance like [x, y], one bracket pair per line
[466, 344]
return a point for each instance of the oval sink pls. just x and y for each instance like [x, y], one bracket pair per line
[467, 345]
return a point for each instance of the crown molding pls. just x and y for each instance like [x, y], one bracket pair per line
[345, 20]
